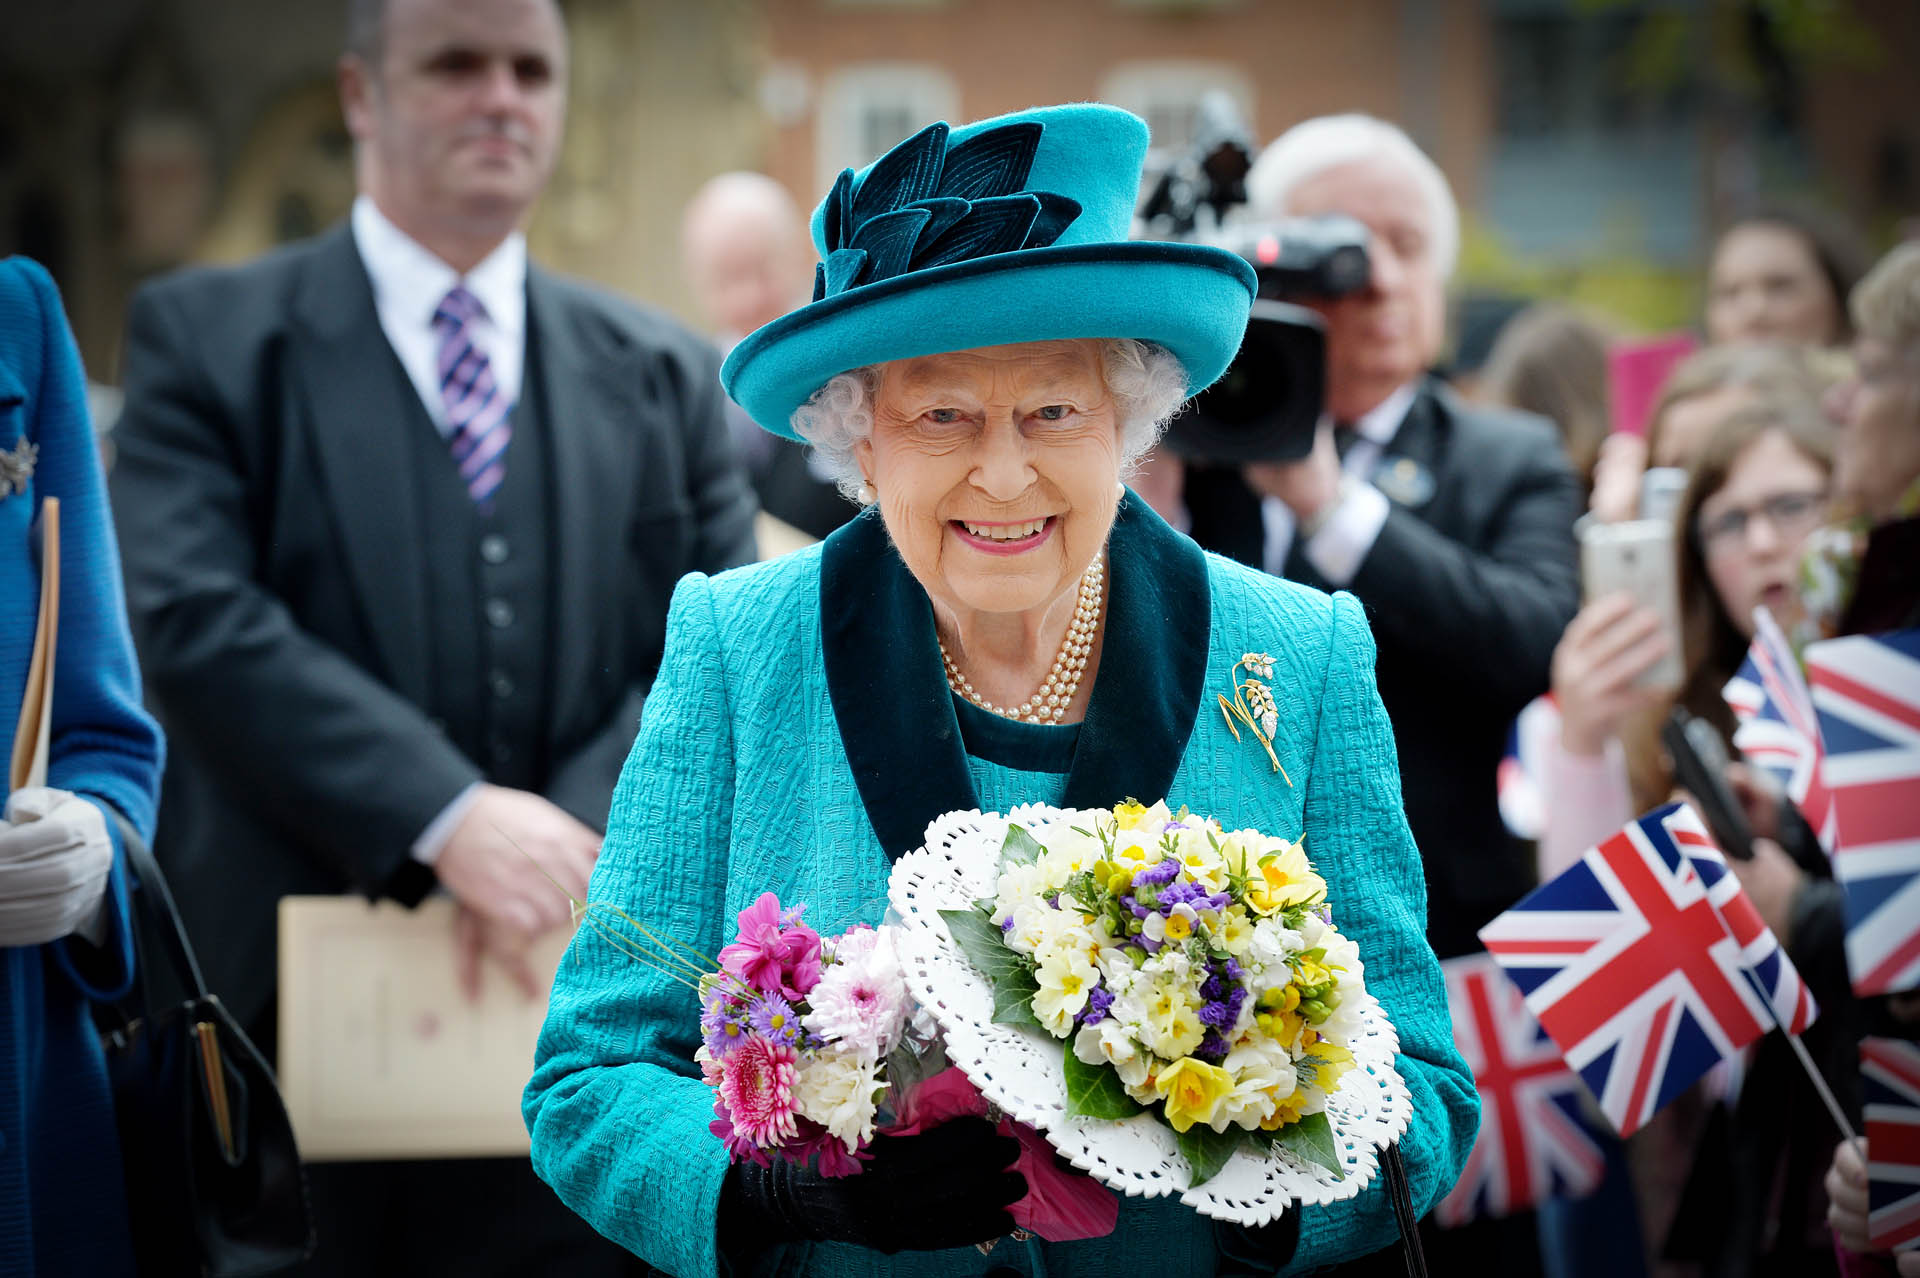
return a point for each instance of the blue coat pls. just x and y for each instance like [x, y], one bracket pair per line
[801, 735]
[62, 1208]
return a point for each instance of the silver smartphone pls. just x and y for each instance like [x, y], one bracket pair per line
[1637, 556]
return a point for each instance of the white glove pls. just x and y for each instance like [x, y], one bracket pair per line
[55, 856]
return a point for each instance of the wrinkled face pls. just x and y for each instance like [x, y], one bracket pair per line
[997, 471]
[460, 123]
[1877, 451]
[1752, 528]
[1766, 285]
[1686, 423]
[1383, 336]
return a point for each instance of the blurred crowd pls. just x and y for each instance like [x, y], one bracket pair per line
[399, 515]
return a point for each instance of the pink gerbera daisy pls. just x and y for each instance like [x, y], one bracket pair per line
[757, 1087]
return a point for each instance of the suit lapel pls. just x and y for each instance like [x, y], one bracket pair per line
[593, 416]
[895, 714]
[349, 379]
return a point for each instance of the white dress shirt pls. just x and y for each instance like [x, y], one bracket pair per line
[409, 283]
[1340, 546]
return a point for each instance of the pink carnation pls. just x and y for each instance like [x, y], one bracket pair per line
[775, 953]
[757, 1089]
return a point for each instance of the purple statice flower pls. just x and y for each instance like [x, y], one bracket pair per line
[1179, 894]
[1212, 1048]
[1217, 1015]
[1099, 999]
[1138, 910]
[1158, 873]
[1006, 925]
[772, 1017]
[1213, 987]
[1176, 825]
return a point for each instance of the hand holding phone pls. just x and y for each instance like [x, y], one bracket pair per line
[1636, 558]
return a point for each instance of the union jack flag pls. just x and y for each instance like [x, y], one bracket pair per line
[1890, 1087]
[1779, 730]
[1533, 1143]
[1866, 689]
[1648, 965]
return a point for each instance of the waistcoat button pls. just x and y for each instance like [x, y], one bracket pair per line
[499, 614]
[494, 548]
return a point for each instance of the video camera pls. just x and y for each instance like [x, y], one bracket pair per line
[1267, 405]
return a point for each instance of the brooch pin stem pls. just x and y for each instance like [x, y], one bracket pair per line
[1253, 705]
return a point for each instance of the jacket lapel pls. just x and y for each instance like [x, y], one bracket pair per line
[1153, 663]
[350, 381]
[895, 714]
[592, 418]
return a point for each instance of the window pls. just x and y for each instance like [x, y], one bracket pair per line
[868, 108]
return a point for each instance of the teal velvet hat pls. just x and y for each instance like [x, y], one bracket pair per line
[1008, 230]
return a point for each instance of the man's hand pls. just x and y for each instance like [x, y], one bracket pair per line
[475, 938]
[1307, 486]
[493, 863]
[55, 856]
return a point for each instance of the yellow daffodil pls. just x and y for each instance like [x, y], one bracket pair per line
[1326, 1062]
[1193, 1091]
[1128, 815]
[1282, 878]
[1285, 1110]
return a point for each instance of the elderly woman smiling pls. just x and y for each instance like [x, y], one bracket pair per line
[985, 356]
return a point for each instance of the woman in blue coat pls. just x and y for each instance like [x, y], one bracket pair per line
[985, 357]
[64, 934]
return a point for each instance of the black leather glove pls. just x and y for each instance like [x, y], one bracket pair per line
[949, 1187]
[1257, 1249]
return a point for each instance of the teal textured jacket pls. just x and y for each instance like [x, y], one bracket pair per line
[801, 735]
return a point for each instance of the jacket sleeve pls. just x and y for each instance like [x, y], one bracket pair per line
[722, 507]
[341, 764]
[616, 1106]
[1488, 619]
[103, 744]
[1367, 855]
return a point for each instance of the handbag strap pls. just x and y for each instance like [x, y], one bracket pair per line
[1402, 1198]
[153, 901]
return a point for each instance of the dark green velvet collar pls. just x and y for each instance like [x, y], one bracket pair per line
[896, 716]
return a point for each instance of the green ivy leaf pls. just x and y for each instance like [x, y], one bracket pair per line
[1013, 1001]
[980, 940]
[1020, 848]
[1095, 1091]
[1311, 1140]
[1206, 1150]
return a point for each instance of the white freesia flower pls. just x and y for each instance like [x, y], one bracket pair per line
[1263, 1076]
[1111, 1044]
[840, 1091]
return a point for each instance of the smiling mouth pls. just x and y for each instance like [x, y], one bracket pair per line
[1005, 534]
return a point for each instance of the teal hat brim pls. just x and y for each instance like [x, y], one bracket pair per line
[1191, 299]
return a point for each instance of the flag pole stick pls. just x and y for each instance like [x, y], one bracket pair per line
[1819, 1082]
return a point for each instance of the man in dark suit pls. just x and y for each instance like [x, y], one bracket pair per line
[1452, 524]
[402, 514]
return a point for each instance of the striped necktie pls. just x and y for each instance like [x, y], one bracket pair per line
[477, 426]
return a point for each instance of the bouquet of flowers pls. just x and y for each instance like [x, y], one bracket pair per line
[796, 1031]
[1188, 971]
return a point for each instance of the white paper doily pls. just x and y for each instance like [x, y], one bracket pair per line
[1019, 1069]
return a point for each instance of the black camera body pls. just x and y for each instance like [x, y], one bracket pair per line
[1267, 405]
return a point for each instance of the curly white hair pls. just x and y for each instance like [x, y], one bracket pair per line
[1147, 382]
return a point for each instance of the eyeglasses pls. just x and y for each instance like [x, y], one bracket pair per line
[1788, 513]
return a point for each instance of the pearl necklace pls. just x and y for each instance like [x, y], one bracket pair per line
[1050, 703]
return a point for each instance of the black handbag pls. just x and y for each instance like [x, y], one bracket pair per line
[214, 1181]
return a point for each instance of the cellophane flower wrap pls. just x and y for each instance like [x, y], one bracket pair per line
[1189, 971]
[796, 1035]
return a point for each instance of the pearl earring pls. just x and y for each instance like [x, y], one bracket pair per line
[868, 494]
